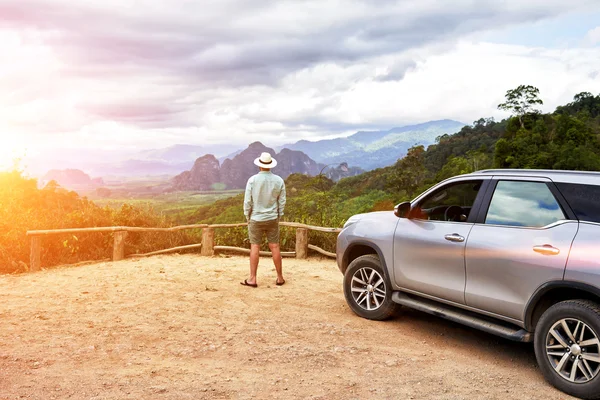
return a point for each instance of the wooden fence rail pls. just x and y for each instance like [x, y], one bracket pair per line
[207, 246]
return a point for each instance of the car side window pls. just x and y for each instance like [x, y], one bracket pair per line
[523, 203]
[452, 202]
[583, 199]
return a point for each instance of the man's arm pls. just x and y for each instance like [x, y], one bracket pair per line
[281, 200]
[248, 200]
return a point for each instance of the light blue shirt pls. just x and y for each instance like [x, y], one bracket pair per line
[265, 197]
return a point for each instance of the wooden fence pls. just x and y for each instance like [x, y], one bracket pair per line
[207, 246]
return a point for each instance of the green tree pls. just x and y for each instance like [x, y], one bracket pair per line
[454, 166]
[478, 159]
[471, 162]
[584, 105]
[409, 173]
[521, 101]
[582, 97]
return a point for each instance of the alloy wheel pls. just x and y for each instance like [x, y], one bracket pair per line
[573, 349]
[368, 289]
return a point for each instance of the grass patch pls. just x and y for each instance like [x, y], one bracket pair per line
[170, 204]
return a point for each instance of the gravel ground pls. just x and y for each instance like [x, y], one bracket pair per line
[182, 327]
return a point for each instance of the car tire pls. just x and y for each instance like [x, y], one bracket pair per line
[367, 289]
[567, 347]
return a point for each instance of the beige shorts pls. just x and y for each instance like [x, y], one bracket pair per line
[256, 229]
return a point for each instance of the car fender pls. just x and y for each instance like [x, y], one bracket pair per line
[554, 285]
[375, 230]
[378, 251]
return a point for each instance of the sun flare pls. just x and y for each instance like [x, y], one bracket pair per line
[11, 149]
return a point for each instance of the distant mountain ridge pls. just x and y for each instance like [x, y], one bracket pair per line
[71, 178]
[375, 149]
[207, 172]
[364, 149]
[170, 160]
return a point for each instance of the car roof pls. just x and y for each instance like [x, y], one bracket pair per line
[583, 177]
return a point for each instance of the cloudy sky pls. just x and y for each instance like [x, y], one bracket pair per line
[109, 74]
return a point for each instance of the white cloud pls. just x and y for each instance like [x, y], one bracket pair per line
[593, 36]
[107, 74]
[469, 81]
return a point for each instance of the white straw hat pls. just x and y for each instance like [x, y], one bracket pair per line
[265, 161]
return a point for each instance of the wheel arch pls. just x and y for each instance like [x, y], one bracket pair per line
[361, 248]
[554, 292]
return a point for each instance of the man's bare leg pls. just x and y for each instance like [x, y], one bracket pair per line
[274, 247]
[254, 254]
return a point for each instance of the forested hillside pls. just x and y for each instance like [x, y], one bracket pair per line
[565, 139]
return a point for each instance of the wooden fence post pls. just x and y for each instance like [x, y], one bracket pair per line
[301, 243]
[35, 263]
[208, 242]
[119, 245]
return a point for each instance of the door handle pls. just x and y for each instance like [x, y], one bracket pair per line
[454, 237]
[546, 250]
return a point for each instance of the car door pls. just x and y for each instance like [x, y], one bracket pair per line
[520, 241]
[429, 245]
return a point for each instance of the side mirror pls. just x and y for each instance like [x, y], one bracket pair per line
[402, 210]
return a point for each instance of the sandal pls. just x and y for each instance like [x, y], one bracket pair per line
[245, 283]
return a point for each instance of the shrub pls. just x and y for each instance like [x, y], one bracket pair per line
[24, 207]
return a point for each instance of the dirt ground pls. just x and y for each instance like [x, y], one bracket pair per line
[182, 327]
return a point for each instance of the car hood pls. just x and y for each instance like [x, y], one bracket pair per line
[371, 217]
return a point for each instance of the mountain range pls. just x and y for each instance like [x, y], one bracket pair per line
[70, 178]
[375, 149]
[207, 173]
[364, 150]
[169, 160]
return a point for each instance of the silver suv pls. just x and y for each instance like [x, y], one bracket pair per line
[512, 252]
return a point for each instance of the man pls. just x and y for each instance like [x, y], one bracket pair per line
[264, 202]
